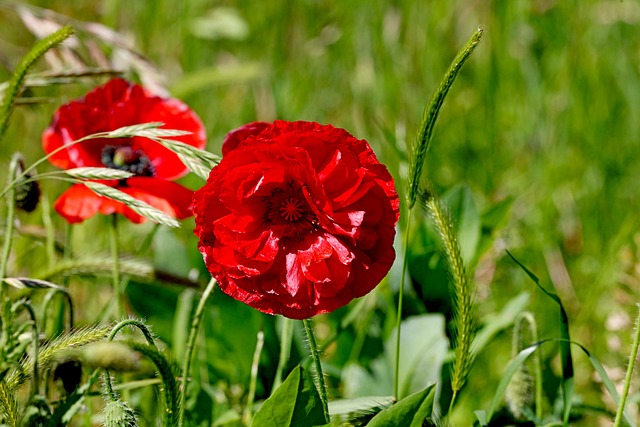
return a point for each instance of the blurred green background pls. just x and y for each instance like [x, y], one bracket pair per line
[546, 112]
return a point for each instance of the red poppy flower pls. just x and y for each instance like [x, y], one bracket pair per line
[116, 104]
[297, 219]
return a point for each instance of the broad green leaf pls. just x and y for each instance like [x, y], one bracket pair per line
[410, 411]
[295, 403]
[424, 349]
[345, 406]
[482, 417]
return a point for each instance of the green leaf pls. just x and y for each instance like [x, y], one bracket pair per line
[410, 411]
[295, 403]
[424, 349]
[513, 367]
[568, 380]
[516, 363]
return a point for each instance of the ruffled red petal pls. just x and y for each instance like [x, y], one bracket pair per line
[236, 136]
[116, 104]
[297, 219]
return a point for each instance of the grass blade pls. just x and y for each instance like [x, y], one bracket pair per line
[565, 347]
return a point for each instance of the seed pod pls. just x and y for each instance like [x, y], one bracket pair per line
[111, 355]
[118, 414]
[27, 192]
[70, 373]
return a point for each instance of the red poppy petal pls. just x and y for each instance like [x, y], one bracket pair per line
[79, 203]
[116, 104]
[235, 137]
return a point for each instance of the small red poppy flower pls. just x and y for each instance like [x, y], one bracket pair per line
[297, 219]
[116, 104]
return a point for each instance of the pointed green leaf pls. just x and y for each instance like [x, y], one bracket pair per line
[568, 381]
[513, 367]
[295, 403]
[410, 411]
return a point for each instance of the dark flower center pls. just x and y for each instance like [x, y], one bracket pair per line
[127, 159]
[287, 208]
[291, 209]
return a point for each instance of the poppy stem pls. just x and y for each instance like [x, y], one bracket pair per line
[405, 264]
[117, 291]
[316, 361]
[8, 234]
[190, 346]
[629, 375]
[286, 335]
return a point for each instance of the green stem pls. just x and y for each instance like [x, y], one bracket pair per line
[193, 334]
[285, 350]
[319, 374]
[627, 379]
[34, 326]
[248, 410]
[8, 234]
[138, 324]
[117, 291]
[405, 264]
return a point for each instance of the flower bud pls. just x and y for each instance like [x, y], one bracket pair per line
[70, 373]
[111, 355]
[27, 192]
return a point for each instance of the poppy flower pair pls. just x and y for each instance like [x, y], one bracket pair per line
[297, 219]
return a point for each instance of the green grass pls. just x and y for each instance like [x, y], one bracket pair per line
[546, 111]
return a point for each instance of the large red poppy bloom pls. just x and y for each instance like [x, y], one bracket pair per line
[116, 104]
[297, 219]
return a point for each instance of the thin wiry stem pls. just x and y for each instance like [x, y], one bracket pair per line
[405, 266]
[26, 305]
[117, 291]
[191, 343]
[627, 379]
[315, 356]
[286, 336]
[8, 234]
[254, 378]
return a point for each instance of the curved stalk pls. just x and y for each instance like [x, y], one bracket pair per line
[191, 343]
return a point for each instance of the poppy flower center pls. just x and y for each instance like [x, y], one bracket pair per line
[291, 209]
[127, 159]
[287, 209]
